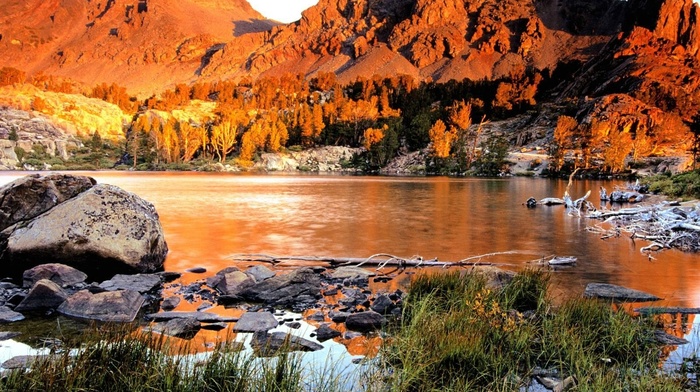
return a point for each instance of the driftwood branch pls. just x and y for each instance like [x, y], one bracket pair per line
[379, 260]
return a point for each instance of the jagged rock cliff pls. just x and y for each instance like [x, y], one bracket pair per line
[441, 40]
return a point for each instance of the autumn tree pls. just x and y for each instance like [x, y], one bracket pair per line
[191, 137]
[618, 148]
[441, 139]
[562, 140]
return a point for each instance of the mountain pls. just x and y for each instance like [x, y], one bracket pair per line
[438, 40]
[143, 44]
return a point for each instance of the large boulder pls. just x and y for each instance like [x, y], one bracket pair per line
[101, 230]
[30, 196]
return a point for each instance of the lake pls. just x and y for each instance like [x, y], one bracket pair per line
[208, 217]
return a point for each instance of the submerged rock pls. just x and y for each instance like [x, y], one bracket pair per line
[101, 230]
[617, 293]
[270, 343]
[115, 306]
[184, 328]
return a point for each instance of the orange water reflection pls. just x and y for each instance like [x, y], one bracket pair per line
[207, 218]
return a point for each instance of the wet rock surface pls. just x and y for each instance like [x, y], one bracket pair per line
[256, 322]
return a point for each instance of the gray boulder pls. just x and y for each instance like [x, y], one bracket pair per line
[299, 286]
[256, 322]
[61, 274]
[382, 304]
[114, 306]
[365, 321]
[28, 197]
[45, 294]
[102, 231]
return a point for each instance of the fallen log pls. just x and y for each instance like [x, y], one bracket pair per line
[379, 260]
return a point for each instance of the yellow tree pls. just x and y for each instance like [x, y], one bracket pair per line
[278, 136]
[441, 139]
[223, 138]
[190, 139]
[373, 136]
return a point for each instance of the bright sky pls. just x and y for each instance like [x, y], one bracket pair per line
[286, 11]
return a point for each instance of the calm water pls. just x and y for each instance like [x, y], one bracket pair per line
[209, 217]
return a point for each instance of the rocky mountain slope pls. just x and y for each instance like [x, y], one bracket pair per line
[143, 44]
[440, 40]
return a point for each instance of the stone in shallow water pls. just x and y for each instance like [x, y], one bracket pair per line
[202, 317]
[342, 273]
[60, 274]
[183, 328]
[256, 322]
[115, 306]
[617, 293]
[365, 321]
[324, 332]
[270, 343]
[170, 303]
[8, 315]
[142, 283]
[45, 294]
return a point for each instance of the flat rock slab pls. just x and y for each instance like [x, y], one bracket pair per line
[184, 328]
[270, 343]
[365, 321]
[61, 274]
[8, 315]
[672, 310]
[45, 294]
[170, 303]
[669, 340]
[617, 293]
[256, 322]
[351, 273]
[113, 306]
[142, 283]
[202, 317]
